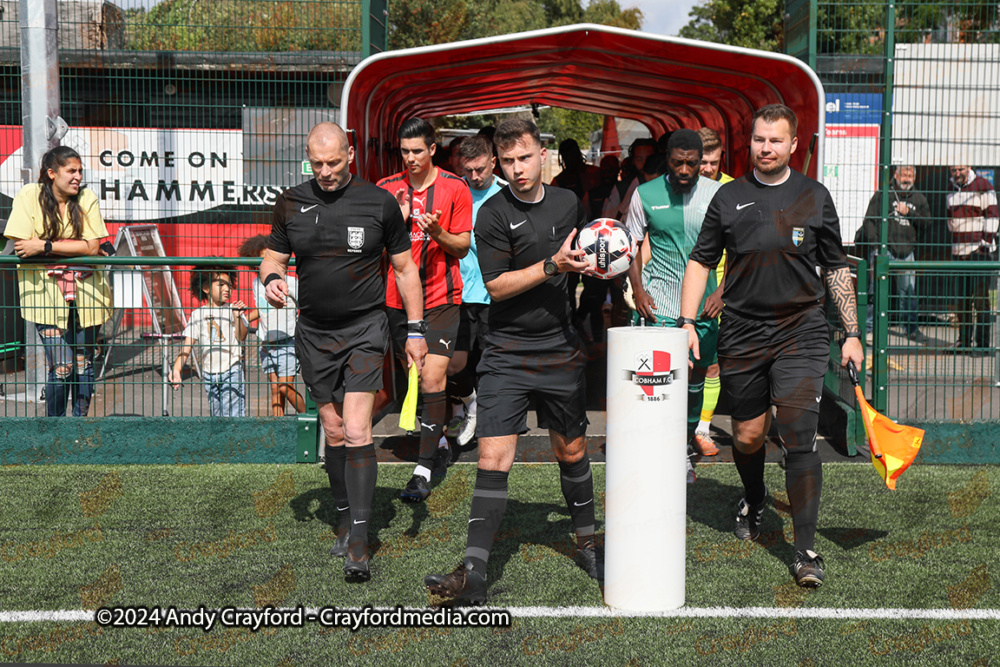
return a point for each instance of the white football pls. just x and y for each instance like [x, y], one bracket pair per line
[609, 247]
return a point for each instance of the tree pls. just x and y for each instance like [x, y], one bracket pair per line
[754, 24]
[234, 25]
[423, 22]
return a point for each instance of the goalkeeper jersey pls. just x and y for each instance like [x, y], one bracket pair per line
[673, 222]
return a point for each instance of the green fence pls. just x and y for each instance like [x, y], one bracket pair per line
[115, 351]
[912, 126]
[191, 114]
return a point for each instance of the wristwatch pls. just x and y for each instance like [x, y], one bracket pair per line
[48, 247]
[550, 267]
[681, 321]
[851, 334]
[416, 327]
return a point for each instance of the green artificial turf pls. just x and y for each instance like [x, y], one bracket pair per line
[76, 537]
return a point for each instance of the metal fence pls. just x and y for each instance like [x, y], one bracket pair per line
[120, 329]
[913, 91]
[190, 114]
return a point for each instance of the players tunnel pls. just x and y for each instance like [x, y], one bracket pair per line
[666, 83]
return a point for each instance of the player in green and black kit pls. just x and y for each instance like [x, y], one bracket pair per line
[671, 209]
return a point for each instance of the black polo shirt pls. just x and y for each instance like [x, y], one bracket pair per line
[337, 239]
[512, 234]
[775, 237]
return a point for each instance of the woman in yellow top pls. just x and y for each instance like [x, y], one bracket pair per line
[56, 217]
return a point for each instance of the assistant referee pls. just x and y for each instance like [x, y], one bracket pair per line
[337, 227]
[776, 226]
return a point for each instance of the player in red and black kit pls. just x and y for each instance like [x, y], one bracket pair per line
[776, 226]
[338, 227]
[437, 207]
[524, 236]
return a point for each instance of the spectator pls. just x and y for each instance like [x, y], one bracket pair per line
[59, 217]
[216, 330]
[972, 221]
[276, 331]
[908, 210]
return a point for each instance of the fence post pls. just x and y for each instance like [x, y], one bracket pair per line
[880, 339]
[307, 442]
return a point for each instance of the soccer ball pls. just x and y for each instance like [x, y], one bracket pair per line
[609, 247]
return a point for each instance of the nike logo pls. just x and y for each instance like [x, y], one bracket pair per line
[357, 522]
[740, 207]
[305, 209]
[657, 208]
[575, 504]
[513, 226]
[477, 519]
[343, 509]
[446, 343]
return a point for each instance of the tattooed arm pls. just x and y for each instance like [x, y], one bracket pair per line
[840, 289]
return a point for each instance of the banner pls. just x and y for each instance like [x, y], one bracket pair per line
[151, 174]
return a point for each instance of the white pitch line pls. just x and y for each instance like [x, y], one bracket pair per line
[885, 613]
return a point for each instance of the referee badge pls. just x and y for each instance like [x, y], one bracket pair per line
[798, 235]
[356, 238]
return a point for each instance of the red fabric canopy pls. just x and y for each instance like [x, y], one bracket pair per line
[664, 82]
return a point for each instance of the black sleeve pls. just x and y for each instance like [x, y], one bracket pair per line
[278, 240]
[396, 238]
[829, 246]
[493, 244]
[708, 248]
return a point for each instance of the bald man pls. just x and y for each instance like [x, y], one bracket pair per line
[337, 226]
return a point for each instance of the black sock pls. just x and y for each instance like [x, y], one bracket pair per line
[336, 458]
[804, 482]
[803, 471]
[360, 473]
[431, 427]
[489, 502]
[578, 490]
[751, 469]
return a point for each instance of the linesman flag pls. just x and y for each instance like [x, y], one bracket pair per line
[408, 413]
[893, 446]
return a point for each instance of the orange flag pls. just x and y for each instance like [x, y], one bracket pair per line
[893, 446]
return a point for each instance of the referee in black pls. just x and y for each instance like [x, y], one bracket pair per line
[337, 226]
[778, 229]
[524, 235]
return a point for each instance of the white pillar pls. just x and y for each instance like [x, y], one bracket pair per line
[646, 502]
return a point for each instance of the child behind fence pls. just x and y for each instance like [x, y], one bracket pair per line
[276, 331]
[215, 331]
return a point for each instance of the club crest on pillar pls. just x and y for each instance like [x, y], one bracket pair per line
[652, 371]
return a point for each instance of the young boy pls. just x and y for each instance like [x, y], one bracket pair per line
[276, 331]
[217, 328]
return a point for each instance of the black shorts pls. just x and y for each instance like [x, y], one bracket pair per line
[336, 360]
[512, 370]
[442, 330]
[472, 326]
[765, 363]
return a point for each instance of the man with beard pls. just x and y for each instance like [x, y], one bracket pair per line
[672, 209]
[776, 226]
[909, 212]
